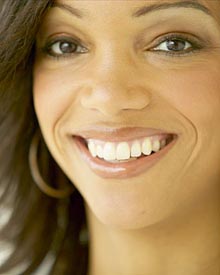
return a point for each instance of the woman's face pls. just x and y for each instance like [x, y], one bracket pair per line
[106, 72]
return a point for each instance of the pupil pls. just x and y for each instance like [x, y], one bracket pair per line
[176, 45]
[67, 47]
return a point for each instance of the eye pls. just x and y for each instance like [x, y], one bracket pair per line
[176, 45]
[64, 47]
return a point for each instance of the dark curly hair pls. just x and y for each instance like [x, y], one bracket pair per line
[37, 226]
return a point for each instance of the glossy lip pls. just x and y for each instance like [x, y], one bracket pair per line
[121, 170]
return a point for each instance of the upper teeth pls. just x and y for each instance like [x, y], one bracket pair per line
[111, 151]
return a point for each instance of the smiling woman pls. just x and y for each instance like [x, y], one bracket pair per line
[110, 137]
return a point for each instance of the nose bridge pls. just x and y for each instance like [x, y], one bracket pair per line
[114, 85]
[111, 53]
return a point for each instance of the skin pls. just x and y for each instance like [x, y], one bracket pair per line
[165, 221]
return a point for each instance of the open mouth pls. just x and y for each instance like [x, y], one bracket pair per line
[125, 158]
[117, 152]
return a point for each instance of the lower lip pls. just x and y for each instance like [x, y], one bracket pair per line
[121, 170]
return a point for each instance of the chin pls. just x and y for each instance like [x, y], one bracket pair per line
[126, 217]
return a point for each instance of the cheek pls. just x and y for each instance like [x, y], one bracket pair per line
[196, 95]
[51, 98]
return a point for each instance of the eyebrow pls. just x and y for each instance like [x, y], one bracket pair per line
[68, 8]
[143, 10]
[162, 6]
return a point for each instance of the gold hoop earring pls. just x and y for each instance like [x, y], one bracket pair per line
[44, 187]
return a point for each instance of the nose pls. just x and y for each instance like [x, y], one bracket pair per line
[111, 92]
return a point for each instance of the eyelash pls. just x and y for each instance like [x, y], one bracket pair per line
[48, 52]
[195, 46]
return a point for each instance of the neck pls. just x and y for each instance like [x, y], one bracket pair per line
[185, 244]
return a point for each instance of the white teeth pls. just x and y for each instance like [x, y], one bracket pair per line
[156, 146]
[109, 151]
[123, 151]
[146, 147]
[126, 160]
[99, 151]
[92, 148]
[136, 149]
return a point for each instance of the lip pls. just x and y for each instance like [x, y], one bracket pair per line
[118, 134]
[121, 170]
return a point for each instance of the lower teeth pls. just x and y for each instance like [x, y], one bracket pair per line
[126, 160]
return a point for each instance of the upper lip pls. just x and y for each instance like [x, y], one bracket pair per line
[119, 134]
